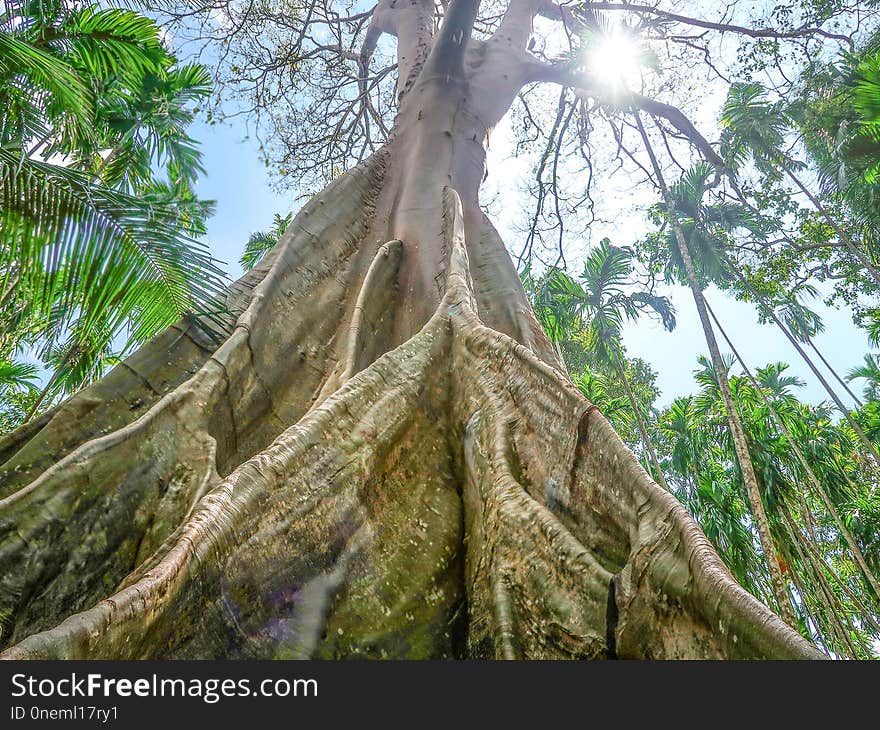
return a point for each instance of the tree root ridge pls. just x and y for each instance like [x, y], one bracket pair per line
[314, 488]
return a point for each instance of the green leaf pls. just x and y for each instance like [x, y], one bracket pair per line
[97, 255]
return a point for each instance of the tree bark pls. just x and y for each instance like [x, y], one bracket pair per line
[737, 432]
[384, 457]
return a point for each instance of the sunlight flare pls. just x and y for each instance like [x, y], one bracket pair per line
[616, 60]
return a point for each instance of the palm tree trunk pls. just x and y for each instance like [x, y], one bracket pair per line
[830, 604]
[110, 157]
[51, 382]
[643, 431]
[835, 637]
[841, 234]
[856, 399]
[780, 592]
[106, 161]
[866, 613]
[40, 143]
[40, 398]
[858, 556]
[768, 310]
[742, 198]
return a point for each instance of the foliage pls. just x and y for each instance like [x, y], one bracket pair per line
[97, 251]
[585, 317]
[261, 242]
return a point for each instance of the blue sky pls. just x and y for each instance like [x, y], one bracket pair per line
[246, 202]
[240, 183]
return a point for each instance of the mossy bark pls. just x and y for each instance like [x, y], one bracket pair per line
[383, 458]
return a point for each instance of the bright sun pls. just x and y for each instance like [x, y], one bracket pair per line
[615, 60]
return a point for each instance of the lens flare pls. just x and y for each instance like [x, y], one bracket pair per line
[616, 61]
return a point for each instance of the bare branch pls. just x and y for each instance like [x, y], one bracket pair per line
[567, 75]
[803, 32]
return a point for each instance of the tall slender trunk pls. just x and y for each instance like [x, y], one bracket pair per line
[787, 239]
[39, 144]
[843, 383]
[844, 411]
[40, 398]
[747, 469]
[48, 387]
[111, 155]
[856, 551]
[822, 592]
[643, 431]
[842, 235]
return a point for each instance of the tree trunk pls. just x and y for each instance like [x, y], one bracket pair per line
[842, 236]
[737, 432]
[49, 383]
[844, 411]
[830, 368]
[383, 458]
[643, 431]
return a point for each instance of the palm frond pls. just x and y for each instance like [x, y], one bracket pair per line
[31, 71]
[109, 42]
[97, 254]
[607, 267]
[261, 242]
[660, 305]
[17, 376]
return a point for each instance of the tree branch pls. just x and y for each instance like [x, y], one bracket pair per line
[447, 55]
[516, 25]
[566, 75]
[679, 120]
[802, 32]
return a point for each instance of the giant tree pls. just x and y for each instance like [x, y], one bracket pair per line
[382, 456]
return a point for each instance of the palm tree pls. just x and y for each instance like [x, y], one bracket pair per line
[696, 466]
[689, 270]
[600, 298]
[18, 390]
[821, 450]
[755, 127]
[866, 100]
[56, 60]
[707, 227]
[78, 257]
[600, 392]
[146, 125]
[16, 376]
[807, 551]
[261, 242]
[838, 116]
[76, 252]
